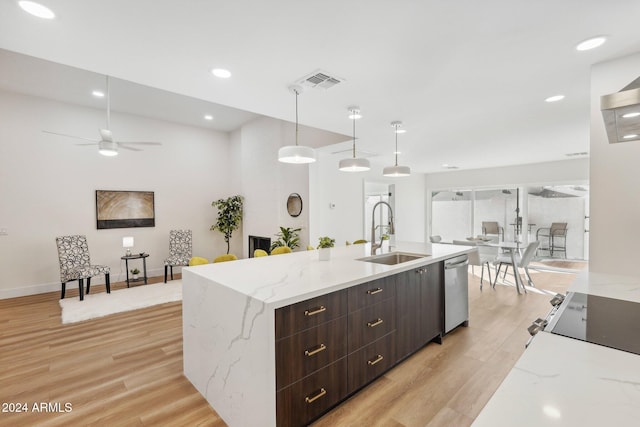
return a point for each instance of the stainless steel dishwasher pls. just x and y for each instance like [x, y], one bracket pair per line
[456, 292]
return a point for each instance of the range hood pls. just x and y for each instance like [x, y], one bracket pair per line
[621, 113]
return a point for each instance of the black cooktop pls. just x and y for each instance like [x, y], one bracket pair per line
[606, 321]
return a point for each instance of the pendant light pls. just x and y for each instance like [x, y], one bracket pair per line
[354, 164]
[296, 153]
[396, 170]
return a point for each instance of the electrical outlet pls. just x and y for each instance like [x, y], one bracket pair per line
[4, 231]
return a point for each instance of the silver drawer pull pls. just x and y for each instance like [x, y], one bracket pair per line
[318, 395]
[375, 323]
[376, 360]
[315, 311]
[316, 350]
[374, 291]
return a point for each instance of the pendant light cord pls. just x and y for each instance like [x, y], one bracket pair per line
[354, 134]
[296, 116]
[396, 153]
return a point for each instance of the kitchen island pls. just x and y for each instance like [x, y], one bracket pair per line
[568, 382]
[235, 322]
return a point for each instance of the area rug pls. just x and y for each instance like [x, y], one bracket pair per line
[104, 304]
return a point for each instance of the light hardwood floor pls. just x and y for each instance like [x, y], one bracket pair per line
[126, 369]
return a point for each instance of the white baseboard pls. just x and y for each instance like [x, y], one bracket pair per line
[44, 288]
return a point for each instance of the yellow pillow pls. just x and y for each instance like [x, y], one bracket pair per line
[358, 242]
[281, 250]
[196, 260]
[225, 257]
[259, 252]
[310, 248]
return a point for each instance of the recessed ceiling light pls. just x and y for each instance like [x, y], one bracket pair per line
[208, 117]
[221, 72]
[630, 115]
[591, 43]
[98, 94]
[554, 98]
[36, 9]
[631, 135]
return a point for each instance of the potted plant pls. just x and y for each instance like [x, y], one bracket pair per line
[134, 273]
[229, 216]
[286, 237]
[324, 248]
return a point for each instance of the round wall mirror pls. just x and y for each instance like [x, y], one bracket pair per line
[294, 204]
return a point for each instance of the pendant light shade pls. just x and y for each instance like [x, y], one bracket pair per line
[354, 164]
[396, 170]
[296, 153]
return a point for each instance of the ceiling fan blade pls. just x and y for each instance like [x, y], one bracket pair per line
[106, 135]
[139, 143]
[128, 148]
[92, 143]
[70, 136]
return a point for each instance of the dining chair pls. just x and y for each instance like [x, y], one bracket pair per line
[225, 258]
[180, 248]
[360, 242]
[75, 264]
[259, 252]
[522, 261]
[198, 260]
[484, 256]
[281, 250]
[556, 236]
[492, 227]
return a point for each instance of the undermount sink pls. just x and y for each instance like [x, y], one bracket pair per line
[393, 258]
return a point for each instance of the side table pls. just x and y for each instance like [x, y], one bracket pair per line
[143, 256]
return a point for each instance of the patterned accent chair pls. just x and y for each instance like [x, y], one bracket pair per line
[180, 248]
[75, 264]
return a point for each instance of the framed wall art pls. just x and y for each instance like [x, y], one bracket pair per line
[125, 209]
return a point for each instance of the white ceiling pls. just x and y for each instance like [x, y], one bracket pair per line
[467, 78]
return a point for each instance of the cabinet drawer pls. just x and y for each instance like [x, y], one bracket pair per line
[309, 398]
[370, 323]
[371, 292]
[371, 361]
[312, 312]
[305, 352]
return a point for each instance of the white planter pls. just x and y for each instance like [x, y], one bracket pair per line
[134, 276]
[324, 254]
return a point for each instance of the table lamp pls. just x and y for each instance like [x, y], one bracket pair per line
[127, 243]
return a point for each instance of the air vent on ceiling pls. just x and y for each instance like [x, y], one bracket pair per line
[320, 79]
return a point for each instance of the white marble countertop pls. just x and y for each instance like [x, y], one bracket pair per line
[284, 279]
[568, 382]
[561, 381]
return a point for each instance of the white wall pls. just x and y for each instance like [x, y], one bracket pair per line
[615, 179]
[345, 191]
[47, 188]
[266, 183]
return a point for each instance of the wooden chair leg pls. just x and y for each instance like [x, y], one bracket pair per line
[88, 285]
[64, 288]
[171, 268]
[81, 288]
[107, 282]
[165, 274]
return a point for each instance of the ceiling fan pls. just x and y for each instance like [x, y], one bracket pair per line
[106, 144]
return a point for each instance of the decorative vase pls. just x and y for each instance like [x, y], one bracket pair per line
[324, 254]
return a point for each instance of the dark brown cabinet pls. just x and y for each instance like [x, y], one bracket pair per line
[330, 346]
[419, 306]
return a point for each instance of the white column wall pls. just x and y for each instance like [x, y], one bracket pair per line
[615, 179]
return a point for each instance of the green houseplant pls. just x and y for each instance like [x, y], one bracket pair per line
[229, 216]
[134, 273]
[324, 248]
[287, 236]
